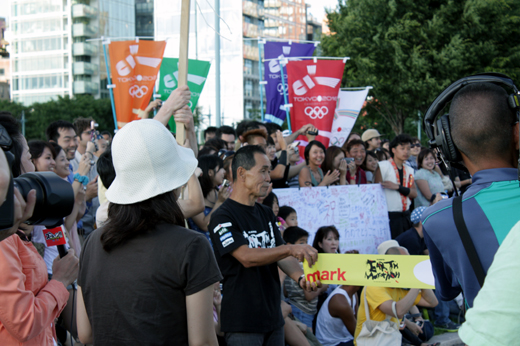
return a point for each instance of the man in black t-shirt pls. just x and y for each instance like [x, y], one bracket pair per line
[249, 249]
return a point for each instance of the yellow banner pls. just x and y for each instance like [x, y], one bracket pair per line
[372, 270]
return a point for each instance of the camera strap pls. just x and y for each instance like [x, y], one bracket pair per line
[466, 240]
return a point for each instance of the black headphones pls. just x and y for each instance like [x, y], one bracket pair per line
[438, 130]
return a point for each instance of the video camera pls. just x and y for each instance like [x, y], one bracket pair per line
[54, 196]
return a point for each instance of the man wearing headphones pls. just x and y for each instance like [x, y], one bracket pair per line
[482, 132]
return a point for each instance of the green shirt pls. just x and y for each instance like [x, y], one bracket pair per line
[493, 320]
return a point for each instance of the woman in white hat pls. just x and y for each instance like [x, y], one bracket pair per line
[145, 279]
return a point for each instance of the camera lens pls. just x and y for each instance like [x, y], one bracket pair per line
[54, 197]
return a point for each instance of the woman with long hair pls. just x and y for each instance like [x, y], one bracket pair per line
[145, 279]
[214, 192]
[335, 160]
[312, 174]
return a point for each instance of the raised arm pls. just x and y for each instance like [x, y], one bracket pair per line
[177, 99]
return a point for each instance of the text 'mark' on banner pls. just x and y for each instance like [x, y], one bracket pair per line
[372, 270]
[275, 110]
[168, 80]
[134, 67]
[313, 93]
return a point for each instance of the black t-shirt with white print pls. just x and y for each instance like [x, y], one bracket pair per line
[251, 296]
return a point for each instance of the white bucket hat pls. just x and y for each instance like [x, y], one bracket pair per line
[148, 162]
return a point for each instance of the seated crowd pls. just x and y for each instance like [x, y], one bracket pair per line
[126, 207]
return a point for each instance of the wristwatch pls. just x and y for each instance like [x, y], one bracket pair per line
[300, 279]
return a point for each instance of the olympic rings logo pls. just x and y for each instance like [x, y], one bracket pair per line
[282, 88]
[316, 112]
[136, 91]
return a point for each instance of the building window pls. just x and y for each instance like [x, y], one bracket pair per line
[2, 72]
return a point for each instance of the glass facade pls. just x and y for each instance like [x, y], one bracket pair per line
[40, 59]
[49, 55]
[144, 18]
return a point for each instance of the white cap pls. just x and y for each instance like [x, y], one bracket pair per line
[148, 162]
[384, 246]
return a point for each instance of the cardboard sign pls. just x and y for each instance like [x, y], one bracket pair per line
[359, 213]
[372, 270]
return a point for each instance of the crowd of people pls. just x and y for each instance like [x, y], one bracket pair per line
[187, 244]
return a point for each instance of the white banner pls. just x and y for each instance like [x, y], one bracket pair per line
[349, 105]
[359, 213]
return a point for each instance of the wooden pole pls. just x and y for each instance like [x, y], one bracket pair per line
[183, 61]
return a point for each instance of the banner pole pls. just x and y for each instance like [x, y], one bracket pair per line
[260, 79]
[183, 61]
[287, 116]
[109, 86]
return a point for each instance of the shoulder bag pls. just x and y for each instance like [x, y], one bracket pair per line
[379, 333]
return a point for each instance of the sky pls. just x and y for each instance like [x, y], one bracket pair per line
[317, 7]
[4, 8]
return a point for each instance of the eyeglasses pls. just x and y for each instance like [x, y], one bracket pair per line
[417, 145]
[223, 153]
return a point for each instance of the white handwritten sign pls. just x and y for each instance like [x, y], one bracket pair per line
[358, 211]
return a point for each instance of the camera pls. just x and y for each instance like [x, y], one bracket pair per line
[348, 160]
[54, 196]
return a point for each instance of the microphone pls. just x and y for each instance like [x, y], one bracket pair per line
[55, 236]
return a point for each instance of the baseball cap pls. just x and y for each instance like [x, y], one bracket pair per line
[416, 214]
[369, 134]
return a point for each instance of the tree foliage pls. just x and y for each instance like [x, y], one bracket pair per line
[39, 115]
[409, 51]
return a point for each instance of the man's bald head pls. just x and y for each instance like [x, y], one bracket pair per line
[481, 122]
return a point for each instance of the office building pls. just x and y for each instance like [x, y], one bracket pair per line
[49, 52]
[5, 71]
[144, 18]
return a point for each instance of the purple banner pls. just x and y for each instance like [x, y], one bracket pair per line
[273, 88]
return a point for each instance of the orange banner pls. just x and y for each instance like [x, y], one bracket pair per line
[134, 67]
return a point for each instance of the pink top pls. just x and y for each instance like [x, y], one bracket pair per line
[29, 303]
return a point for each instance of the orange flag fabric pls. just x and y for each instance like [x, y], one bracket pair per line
[134, 67]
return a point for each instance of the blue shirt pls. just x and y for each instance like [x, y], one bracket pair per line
[491, 208]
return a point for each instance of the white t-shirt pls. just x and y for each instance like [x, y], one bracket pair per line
[393, 197]
[331, 331]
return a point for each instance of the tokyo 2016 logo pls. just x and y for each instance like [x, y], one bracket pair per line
[316, 112]
[136, 91]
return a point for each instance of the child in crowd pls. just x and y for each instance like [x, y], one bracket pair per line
[303, 303]
[288, 214]
[272, 202]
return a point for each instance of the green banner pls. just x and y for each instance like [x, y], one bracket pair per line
[197, 73]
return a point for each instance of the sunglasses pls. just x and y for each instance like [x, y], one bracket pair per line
[415, 146]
